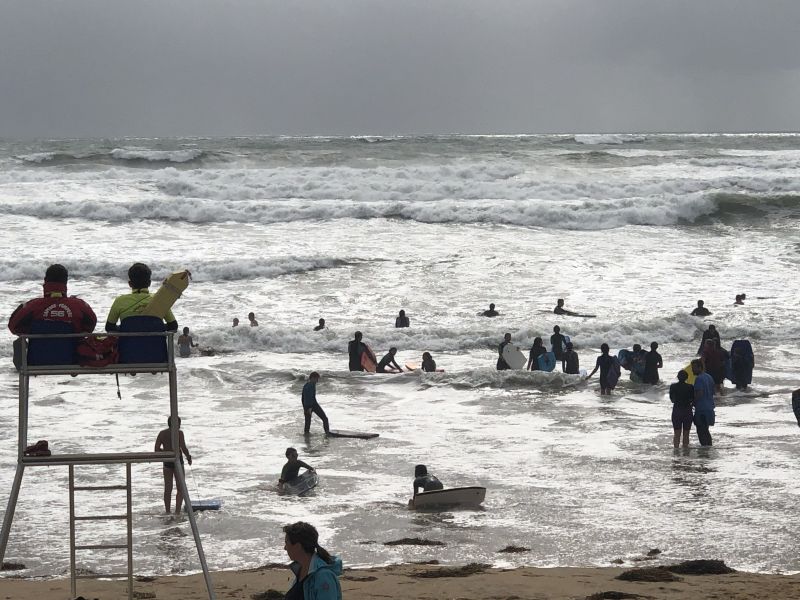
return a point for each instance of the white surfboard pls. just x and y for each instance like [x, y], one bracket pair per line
[514, 357]
[462, 496]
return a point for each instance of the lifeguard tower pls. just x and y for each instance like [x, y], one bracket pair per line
[164, 364]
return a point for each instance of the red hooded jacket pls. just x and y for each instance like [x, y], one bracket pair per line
[55, 306]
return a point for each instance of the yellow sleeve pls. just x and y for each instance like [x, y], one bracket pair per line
[113, 314]
[170, 317]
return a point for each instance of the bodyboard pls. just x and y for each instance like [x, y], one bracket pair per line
[214, 504]
[301, 484]
[161, 302]
[613, 373]
[690, 375]
[514, 357]
[464, 496]
[361, 435]
[546, 361]
[367, 362]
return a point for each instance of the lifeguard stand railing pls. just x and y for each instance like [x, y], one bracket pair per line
[26, 371]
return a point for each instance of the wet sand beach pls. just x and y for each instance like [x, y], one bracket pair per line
[407, 582]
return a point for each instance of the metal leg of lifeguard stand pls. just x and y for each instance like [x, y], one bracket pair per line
[180, 475]
[12, 505]
[22, 442]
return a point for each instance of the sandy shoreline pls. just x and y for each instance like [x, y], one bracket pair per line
[407, 582]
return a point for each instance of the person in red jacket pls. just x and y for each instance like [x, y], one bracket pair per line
[55, 312]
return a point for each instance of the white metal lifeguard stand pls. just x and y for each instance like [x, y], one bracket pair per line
[126, 458]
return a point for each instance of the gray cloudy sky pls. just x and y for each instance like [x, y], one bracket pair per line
[237, 67]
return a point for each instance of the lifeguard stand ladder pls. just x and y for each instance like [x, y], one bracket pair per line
[126, 458]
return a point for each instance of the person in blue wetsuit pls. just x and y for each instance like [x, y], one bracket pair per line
[704, 416]
[310, 404]
[316, 572]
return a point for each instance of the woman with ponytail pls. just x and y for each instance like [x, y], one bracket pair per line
[316, 572]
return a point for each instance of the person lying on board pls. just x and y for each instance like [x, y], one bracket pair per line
[388, 364]
[291, 470]
[560, 310]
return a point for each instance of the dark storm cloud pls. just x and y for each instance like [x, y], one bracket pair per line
[299, 67]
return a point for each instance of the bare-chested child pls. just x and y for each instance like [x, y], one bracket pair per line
[164, 444]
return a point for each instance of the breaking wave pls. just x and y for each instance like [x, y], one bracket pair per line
[206, 271]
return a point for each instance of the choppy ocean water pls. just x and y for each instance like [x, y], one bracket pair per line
[633, 229]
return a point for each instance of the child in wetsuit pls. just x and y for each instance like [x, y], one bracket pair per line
[291, 470]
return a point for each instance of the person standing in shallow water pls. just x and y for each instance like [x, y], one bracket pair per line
[402, 320]
[605, 362]
[536, 350]
[652, 363]
[164, 444]
[316, 572]
[310, 404]
[502, 365]
[681, 394]
[704, 416]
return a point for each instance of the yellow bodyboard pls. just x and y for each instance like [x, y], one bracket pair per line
[691, 378]
[167, 294]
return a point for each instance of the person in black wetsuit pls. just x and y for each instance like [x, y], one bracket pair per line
[682, 396]
[428, 364]
[570, 363]
[310, 404]
[796, 405]
[491, 312]
[700, 311]
[402, 320]
[605, 362]
[536, 350]
[355, 348]
[291, 469]
[502, 365]
[388, 364]
[321, 325]
[558, 342]
[652, 363]
[709, 334]
[424, 480]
